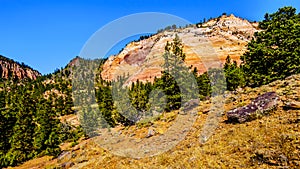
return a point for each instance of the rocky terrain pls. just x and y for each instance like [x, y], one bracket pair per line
[271, 141]
[11, 69]
[206, 45]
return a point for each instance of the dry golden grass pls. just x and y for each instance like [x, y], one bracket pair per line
[270, 142]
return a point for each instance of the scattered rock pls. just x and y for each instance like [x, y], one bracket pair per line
[257, 108]
[77, 147]
[151, 133]
[205, 111]
[67, 164]
[74, 155]
[283, 158]
[132, 134]
[296, 77]
[292, 105]
[63, 155]
[82, 161]
[190, 104]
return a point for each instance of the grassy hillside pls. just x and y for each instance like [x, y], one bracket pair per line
[38, 117]
[269, 142]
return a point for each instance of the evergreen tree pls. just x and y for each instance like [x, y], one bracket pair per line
[204, 86]
[234, 74]
[274, 52]
[173, 58]
[23, 130]
[7, 121]
[46, 136]
[176, 80]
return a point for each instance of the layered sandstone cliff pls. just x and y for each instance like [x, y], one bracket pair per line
[10, 69]
[205, 46]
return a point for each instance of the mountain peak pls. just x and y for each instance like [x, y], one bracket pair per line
[214, 40]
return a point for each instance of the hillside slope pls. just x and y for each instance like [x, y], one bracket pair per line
[205, 46]
[9, 69]
[269, 142]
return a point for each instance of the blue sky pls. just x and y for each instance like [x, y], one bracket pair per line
[47, 34]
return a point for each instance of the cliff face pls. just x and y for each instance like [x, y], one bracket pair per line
[10, 69]
[205, 46]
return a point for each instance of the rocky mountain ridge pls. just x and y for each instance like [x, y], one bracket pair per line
[206, 45]
[9, 69]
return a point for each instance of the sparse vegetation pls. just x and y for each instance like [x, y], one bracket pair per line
[269, 142]
[30, 110]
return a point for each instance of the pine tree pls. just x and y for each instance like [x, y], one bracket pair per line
[7, 121]
[175, 76]
[23, 130]
[46, 137]
[274, 52]
[204, 86]
[234, 74]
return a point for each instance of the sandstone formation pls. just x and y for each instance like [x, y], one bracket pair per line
[205, 46]
[10, 69]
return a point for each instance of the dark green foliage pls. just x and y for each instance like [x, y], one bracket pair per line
[171, 89]
[274, 52]
[29, 123]
[168, 28]
[128, 105]
[139, 95]
[87, 97]
[173, 65]
[46, 138]
[143, 37]
[7, 121]
[105, 103]
[21, 141]
[29, 110]
[234, 75]
[204, 86]
[122, 101]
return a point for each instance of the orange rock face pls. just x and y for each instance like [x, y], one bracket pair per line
[205, 47]
[11, 69]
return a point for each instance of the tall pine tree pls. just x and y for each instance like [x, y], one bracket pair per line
[274, 53]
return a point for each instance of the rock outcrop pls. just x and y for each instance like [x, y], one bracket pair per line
[10, 69]
[257, 108]
[205, 46]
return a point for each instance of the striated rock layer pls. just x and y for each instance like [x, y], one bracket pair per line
[205, 46]
[10, 69]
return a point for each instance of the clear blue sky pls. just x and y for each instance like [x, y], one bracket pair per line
[47, 34]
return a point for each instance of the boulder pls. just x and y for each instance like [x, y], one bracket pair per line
[151, 132]
[260, 106]
[63, 155]
[190, 105]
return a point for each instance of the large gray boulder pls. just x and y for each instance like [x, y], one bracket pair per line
[260, 106]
